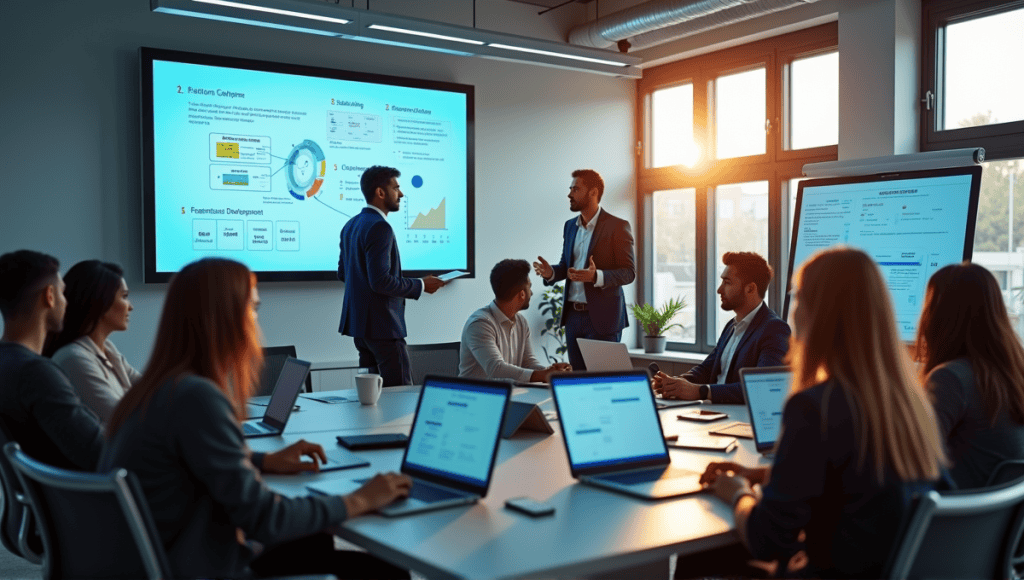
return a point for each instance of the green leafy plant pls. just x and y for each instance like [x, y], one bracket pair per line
[551, 307]
[654, 320]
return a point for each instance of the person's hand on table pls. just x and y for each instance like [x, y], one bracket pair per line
[544, 375]
[288, 461]
[383, 489]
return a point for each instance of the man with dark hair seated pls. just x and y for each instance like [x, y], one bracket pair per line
[756, 337]
[37, 402]
[496, 338]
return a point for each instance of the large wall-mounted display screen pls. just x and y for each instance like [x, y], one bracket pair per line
[260, 162]
[912, 223]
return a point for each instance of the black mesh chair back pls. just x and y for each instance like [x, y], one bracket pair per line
[440, 359]
[94, 525]
[1011, 470]
[273, 362]
[962, 534]
[17, 524]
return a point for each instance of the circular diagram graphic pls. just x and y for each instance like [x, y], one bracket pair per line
[305, 170]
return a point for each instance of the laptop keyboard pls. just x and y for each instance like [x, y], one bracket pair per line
[250, 429]
[635, 477]
[427, 493]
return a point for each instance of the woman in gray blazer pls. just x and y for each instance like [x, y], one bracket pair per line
[98, 305]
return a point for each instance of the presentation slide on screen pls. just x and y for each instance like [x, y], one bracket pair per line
[767, 393]
[456, 431]
[264, 167]
[911, 227]
[609, 420]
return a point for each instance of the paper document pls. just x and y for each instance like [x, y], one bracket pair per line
[452, 275]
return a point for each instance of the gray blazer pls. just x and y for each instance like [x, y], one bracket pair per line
[100, 378]
[201, 484]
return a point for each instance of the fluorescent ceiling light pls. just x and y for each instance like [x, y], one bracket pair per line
[426, 34]
[231, 4]
[558, 54]
[410, 45]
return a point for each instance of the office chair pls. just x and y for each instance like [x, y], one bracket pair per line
[273, 362]
[1006, 471]
[434, 359]
[17, 524]
[962, 534]
[94, 525]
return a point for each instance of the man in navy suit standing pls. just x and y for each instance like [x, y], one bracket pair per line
[597, 260]
[373, 313]
[756, 337]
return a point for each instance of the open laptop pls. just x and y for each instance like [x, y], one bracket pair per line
[766, 390]
[601, 356]
[453, 444]
[613, 434]
[289, 383]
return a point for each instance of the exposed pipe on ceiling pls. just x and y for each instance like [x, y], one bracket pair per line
[660, 21]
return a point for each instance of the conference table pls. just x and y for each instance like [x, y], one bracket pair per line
[593, 532]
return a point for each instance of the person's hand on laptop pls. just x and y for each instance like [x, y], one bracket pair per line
[288, 461]
[383, 489]
[675, 387]
[544, 375]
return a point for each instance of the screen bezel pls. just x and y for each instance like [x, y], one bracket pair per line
[972, 207]
[146, 57]
[570, 380]
[745, 374]
[456, 481]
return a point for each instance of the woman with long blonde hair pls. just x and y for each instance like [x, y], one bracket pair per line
[858, 433]
[973, 364]
[178, 431]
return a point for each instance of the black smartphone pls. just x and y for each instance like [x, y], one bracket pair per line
[654, 368]
[529, 506]
[377, 441]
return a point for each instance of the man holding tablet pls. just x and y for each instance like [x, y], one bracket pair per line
[756, 337]
[373, 313]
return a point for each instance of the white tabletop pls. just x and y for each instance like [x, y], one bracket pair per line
[592, 530]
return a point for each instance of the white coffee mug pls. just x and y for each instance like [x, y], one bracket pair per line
[369, 387]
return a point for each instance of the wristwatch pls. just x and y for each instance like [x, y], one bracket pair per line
[705, 393]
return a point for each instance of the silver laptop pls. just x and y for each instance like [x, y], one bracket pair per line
[601, 356]
[613, 435]
[286, 391]
[766, 390]
[453, 444]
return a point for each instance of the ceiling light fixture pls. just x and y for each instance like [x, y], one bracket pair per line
[558, 54]
[269, 10]
[424, 34]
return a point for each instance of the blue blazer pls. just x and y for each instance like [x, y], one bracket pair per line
[764, 344]
[375, 290]
[611, 246]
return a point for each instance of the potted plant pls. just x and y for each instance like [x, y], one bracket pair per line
[655, 322]
[551, 307]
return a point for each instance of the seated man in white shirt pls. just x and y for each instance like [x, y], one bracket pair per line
[496, 338]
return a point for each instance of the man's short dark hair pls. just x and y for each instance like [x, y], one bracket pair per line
[509, 277]
[374, 177]
[750, 267]
[590, 180]
[22, 275]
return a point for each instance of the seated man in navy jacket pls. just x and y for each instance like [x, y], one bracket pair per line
[756, 337]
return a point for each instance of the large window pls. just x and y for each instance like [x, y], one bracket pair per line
[973, 76]
[725, 136]
[974, 97]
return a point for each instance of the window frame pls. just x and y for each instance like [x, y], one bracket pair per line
[775, 166]
[1000, 140]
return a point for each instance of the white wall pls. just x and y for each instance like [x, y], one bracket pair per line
[70, 148]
